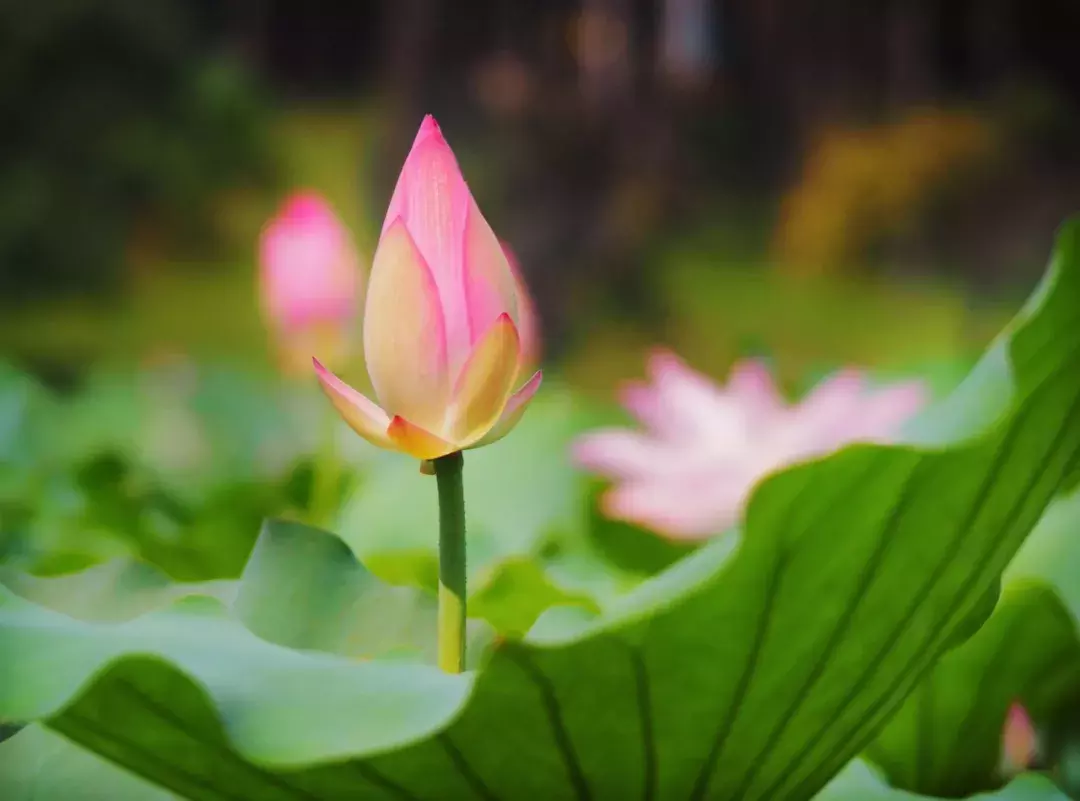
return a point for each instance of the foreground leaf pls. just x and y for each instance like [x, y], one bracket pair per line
[754, 668]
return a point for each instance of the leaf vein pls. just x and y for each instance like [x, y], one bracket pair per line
[648, 735]
[84, 730]
[471, 777]
[555, 718]
[839, 632]
[374, 776]
[181, 726]
[701, 785]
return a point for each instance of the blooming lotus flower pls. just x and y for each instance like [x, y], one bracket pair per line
[310, 281]
[443, 321]
[690, 473]
[1019, 742]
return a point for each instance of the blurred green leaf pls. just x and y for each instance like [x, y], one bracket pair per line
[25, 411]
[516, 592]
[161, 465]
[857, 782]
[115, 591]
[1061, 732]
[1052, 553]
[946, 739]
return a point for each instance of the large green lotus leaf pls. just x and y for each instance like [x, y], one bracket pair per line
[754, 668]
[857, 782]
[946, 739]
[40, 764]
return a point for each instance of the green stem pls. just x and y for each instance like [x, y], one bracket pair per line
[326, 478]
[451, 634]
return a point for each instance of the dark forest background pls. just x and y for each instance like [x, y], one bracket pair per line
[841, 137]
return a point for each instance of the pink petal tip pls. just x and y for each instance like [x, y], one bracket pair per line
[428, 128]
[305, 205]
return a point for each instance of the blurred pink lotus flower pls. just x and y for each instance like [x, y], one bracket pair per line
[311, 282]
[1019, 742]
[690, 473]
[444, 336]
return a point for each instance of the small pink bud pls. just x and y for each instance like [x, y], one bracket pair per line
[1019, 742]
[445, 322]
[310, 281]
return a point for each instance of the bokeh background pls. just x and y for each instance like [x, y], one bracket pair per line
[869, 184]
[874, 182]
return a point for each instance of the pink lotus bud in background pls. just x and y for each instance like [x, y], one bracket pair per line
[1019, 742]
[705, 446]
[442, 323]
[311, 283]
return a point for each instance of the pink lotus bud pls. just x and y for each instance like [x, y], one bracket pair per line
[1019, 742]
[442, 322]
[528, 320]
[310, 281]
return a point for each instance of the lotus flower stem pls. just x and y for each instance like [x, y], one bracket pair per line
[451, 633]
